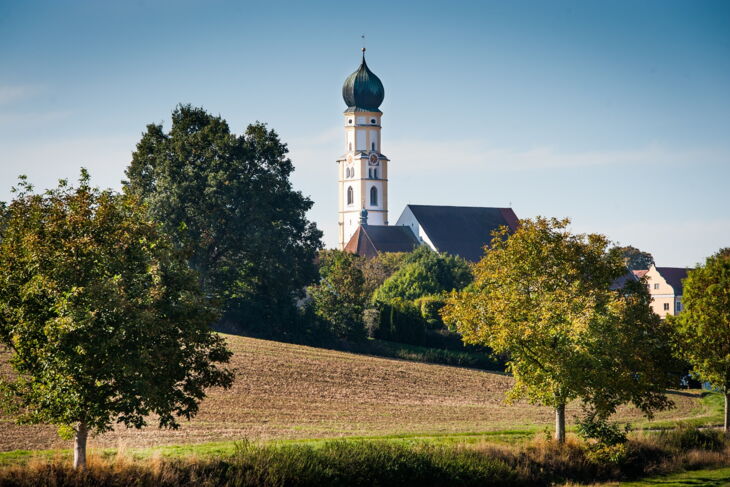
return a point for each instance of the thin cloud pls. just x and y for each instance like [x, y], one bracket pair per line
[31, 119]
[12, 93]
[431, 155]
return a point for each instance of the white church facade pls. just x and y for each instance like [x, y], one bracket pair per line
[363, 174]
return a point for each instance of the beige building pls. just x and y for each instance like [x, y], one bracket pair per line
[665, 287]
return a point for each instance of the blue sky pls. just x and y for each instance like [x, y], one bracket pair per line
[615, 114]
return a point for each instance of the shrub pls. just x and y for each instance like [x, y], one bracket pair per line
[399, 321]
[687, 438]
[594, 427]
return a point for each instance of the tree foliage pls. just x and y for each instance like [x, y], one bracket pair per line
[636, 259]
[376, 270]
[227, 200]
[424, 273]
[542, 296]
[104, 319]
[339, 296]
[703, 327]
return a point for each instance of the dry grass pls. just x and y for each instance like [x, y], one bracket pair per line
[285, 391]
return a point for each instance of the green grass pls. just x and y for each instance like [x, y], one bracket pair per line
[225, 448]
[707, 478]
[709, 413]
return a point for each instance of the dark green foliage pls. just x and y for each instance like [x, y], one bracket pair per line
[459, 357]
[424, 273]
[105, 321]
[400, 321]
[593, 426]
[228, 202]
[339, 297]
[636, 259]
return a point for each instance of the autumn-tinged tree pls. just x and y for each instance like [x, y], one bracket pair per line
[339, 297]
[104, 319]
[704, 324]
[227, 200]
[543, 297]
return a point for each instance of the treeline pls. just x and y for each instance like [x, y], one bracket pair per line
[394, 296]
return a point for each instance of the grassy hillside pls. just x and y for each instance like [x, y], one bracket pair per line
[285, 391]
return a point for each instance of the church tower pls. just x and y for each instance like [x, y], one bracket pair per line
[363, 169]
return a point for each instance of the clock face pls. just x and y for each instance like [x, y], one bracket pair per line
[349, 158]
[373, 159]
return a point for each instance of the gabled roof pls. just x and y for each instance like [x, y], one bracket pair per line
[673, 276]
[370, 240]
[462, 230]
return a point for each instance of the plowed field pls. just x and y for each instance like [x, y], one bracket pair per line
[285, 391]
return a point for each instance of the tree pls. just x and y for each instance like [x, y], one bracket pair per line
[376, 270]
[636, 259]
[339, 297]
[228, 202]
[104, 319]
[543, 297]
[703, 327]
[424, 273]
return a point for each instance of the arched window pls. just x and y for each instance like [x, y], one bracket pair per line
[373, 196]
[350, 146]
[347, 173]
[350, 197]
[372, 145]
[375, 173]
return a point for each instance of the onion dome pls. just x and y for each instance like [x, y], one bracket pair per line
[362, 90]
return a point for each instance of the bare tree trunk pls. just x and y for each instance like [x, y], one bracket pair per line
[80, 446]
[560, 423]
[727, 412]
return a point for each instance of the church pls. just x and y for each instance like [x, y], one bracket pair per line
[364, 228]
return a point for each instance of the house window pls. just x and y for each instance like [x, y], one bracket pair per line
[372, 145]
[656, 285]
[374, 196]
[666, 306]
[350, 121]
[679, 306]
[350, 197]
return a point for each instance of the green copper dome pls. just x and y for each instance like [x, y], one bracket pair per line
[363, 91]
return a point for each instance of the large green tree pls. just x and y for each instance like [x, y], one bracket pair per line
[542, 296]
[339, 297]
[104, 319]
[424, 273]
[228, 201]
[636, 259]
[704, 324]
